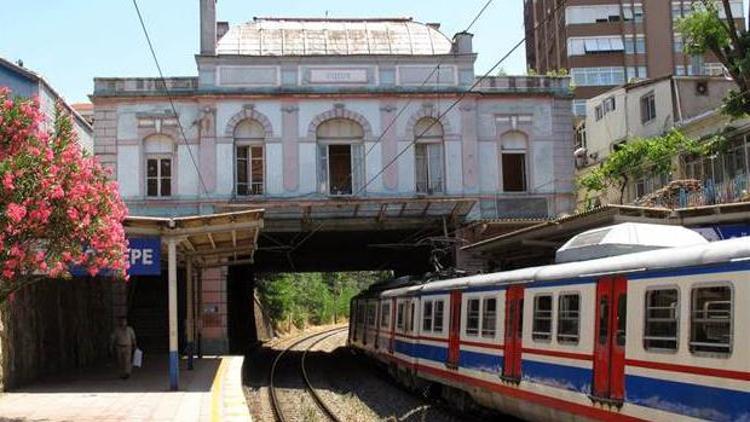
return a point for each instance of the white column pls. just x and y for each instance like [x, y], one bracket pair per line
[189, 331]
[174, 357]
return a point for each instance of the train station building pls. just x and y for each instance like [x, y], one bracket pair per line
[361, 140]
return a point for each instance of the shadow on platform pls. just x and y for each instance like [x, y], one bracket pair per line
[152, 377]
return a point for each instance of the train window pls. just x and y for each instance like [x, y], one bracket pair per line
[438, 325]
[400, 316]
[662, 310]
[489, 317]
[472, 317]
[622, 319]
[568, 318]
[427, 316]
[541, 328]
[711, 320]
[603, 320]
[371, 314]
[412, 315]
[385, 315]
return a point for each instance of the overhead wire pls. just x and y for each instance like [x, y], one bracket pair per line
[169, 96]
[453, 105]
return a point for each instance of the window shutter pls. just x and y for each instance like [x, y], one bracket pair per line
[323, 169]
[358, 168]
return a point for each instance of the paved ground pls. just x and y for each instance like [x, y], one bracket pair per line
[211, 392]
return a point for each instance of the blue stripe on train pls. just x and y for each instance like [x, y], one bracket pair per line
[698, 401]
[560, 376]
[480, 361]
[681, 398]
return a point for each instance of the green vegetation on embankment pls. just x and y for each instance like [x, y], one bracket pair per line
[302, 299]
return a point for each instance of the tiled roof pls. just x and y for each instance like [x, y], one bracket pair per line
[335, 37]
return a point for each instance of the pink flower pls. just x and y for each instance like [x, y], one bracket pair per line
[15, 212]
[8, 181]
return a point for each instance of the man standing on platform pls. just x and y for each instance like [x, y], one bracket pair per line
[123, 344]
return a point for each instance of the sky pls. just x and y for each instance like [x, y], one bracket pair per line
[72, 41]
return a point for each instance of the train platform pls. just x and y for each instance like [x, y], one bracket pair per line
[210, 392]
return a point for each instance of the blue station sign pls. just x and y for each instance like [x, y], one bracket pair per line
[144, 255]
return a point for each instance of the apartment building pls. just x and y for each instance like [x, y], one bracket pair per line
[606, 43]
[651, 108]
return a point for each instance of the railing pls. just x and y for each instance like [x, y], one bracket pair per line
[726, 192]
[556, 84]
[113, 86]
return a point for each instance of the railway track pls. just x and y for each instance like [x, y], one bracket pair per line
[275, 401]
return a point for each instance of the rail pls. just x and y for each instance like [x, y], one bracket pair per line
[278, 413]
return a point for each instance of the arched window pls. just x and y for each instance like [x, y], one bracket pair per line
[513, 150]
[158, 151]
[249, 138]
[428, 153]
[341, 169]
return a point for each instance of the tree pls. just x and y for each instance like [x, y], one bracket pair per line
[705, 31]
[57, 206]
[642, 157]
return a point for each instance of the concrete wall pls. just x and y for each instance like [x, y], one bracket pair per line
[54, 326]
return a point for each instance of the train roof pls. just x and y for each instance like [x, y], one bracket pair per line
[689, 256]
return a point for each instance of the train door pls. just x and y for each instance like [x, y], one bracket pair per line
[454, 330]
[609, 347]
[513, 333]
[393, 326]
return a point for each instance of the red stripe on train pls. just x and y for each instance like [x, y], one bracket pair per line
[696, 370]
[554, 353]
[546, 401]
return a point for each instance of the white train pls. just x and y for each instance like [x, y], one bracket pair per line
[654, 335]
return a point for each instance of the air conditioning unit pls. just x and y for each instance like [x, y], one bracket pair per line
[701, 88]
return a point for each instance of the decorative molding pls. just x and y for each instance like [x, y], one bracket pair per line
[339, 112]
[466, 107]
[290, 109]
[249, 112]
[390, 108]
[427, 110]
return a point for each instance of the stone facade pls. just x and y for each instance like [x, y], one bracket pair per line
[322, 110]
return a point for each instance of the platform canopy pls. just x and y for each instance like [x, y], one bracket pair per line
[214, 239]
[352, 214]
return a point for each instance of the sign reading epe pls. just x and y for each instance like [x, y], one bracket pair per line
[144, 255]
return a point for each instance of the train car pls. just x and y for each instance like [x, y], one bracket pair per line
[628, 326]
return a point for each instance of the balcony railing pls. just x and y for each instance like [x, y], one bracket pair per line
[555, 84]
[120, 86]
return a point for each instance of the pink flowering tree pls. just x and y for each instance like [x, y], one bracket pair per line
[57, 206]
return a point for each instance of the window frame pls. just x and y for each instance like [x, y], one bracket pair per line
[249, 168]
[385, 315]
[480, 328]
[534, 333]
[732, 326]
[159, 157]
[433, 317]
[560, 296]
[648, 114]
[401, 315]
[677, 319]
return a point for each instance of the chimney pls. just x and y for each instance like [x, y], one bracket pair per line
[208, 27]
[462, 43]
[221, 29]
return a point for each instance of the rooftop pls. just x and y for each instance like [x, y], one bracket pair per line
[333, 37]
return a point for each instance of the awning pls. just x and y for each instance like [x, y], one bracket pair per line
[360, 213]
[215, 239]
